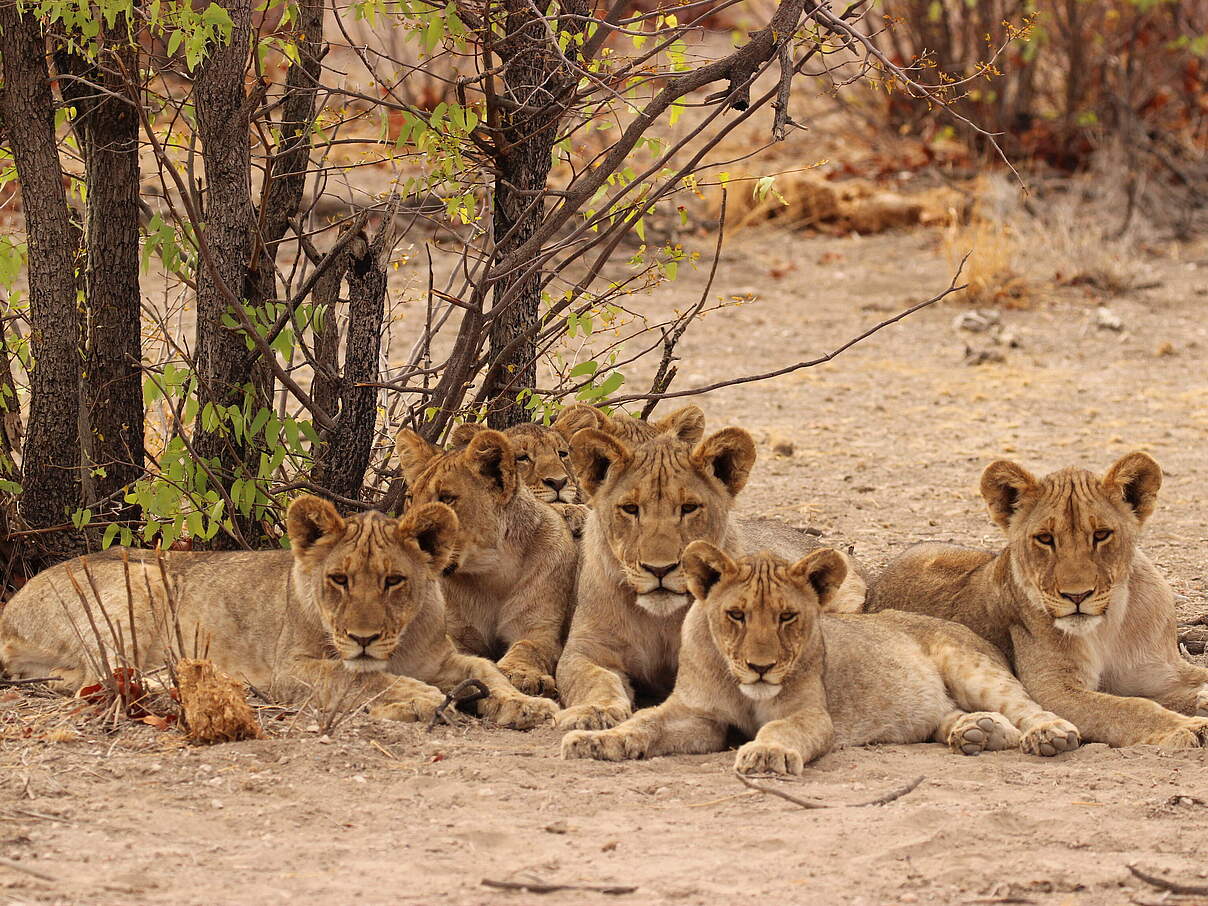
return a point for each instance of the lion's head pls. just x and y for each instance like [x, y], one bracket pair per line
[763, 612]
[652, 499]
[542, 457]
[478, 481]
[369, 575]
[1072, 535]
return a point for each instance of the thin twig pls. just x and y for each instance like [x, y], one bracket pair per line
[21, 866]
[455, 695]
[1197, 890]
[538, 887]
[825, 357]
[29, 681]
[805, 803]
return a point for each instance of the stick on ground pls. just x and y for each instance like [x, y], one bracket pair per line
[1198, 890]
[538, 887]
[806, 803]
[29, 870]
[455, 695]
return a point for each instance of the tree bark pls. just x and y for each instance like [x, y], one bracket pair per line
[223, 123]
[51, 460]
[341, 468]
[535, 77]
[107, 124]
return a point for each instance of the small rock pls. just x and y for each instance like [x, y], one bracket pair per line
[782, 446]
[1164, 349]
[1106, 319]
[324, 739]
[982, 356]
[608, 847]
[216, 803]
[976, 321]
[558, 827]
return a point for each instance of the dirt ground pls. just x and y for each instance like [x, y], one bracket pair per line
[888, 444]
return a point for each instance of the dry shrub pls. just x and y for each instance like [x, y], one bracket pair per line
[808, 199]
[215, 706]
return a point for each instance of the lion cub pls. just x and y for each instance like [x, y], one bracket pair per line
[351, 612]
[758, 655]
[510, 581]
[1071, 599]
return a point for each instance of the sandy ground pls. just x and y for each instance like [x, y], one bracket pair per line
[889, 441]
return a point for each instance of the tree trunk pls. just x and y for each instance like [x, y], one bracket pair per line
[107, 124]
[51, 460]
[229, 221]
[342, 466]
[535, 79]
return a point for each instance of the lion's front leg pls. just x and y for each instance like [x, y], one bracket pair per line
[529, 666]
[787, 745]
[672, 728]
[1112, 719]
[389, 696]
[594, 688]
[1187, 690]
[504, 704]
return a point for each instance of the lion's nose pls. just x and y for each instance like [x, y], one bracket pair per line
[365, 640]
[660, 572]
[761, 669]
[1077, 597]
[556, 483]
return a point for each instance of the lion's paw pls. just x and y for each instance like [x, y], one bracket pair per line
[517, 712]
[591, 717]
[768, 758]
[982, 731]
[575, 515]
[419, 707]
[1050, 737]
[1201, 701]
[603, 745]
[1193, 734]
[528, 680]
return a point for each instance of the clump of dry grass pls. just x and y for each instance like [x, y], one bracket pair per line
[215, 706]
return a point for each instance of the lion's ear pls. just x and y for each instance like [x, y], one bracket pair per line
[704, 566]
[1135, 479]
[464, 433]
[495, 460]
[309, 520]
[413, 453]
[1004, 486]
[433, 528]
[821, 572]
[595, 455]
[687, 424]
[576, 418]
[728, 456]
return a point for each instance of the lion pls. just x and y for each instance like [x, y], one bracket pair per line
[351, 613]
[649, 501]
[509, 584]
[1072, 601]
[759, 656]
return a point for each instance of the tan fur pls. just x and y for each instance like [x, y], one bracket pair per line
[283, 621]
[649, 501]
[1109, 663]
[761, 657]
[510, 585]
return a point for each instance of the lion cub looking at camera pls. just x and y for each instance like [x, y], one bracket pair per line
[352, 612]
[759, 656]
[1071, 599]
[650, 499]
[510, 580]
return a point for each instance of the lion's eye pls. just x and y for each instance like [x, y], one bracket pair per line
[1044, 538]
[737, 616]
[523, 457]
[393, 579]
[689, 508]
[564, 453]
[1102, 535]
[339, 579]
[787, 617]
[446, 498]
[630, 508]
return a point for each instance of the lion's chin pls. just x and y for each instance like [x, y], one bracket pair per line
[365, 664]
[760, 691]
[663, 603]
[1079, 623]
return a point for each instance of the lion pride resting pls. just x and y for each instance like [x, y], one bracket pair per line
[760, 656]
[367, 587]
[1072, 600]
